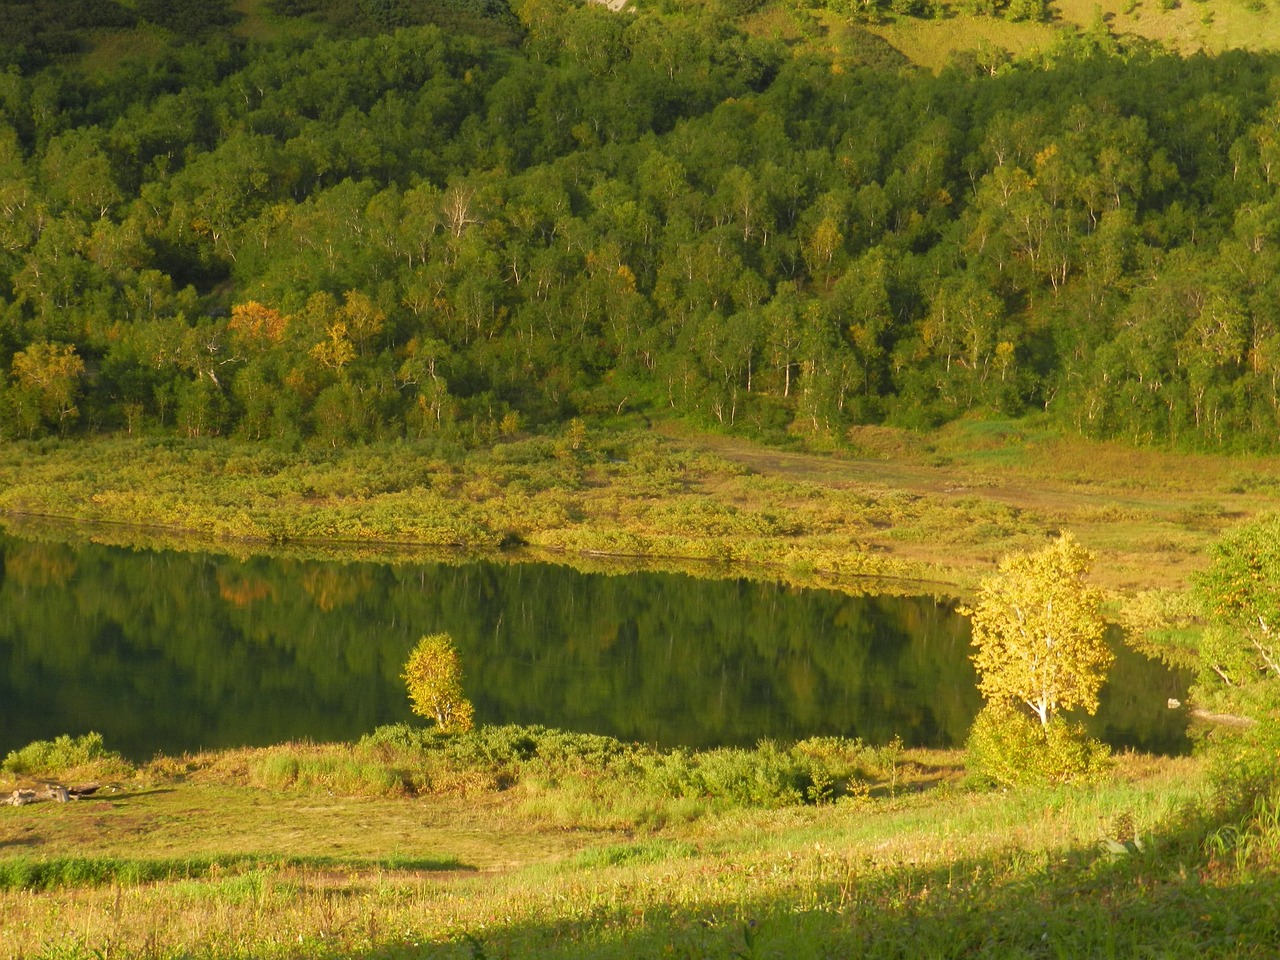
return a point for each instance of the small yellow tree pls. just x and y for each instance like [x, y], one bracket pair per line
[1039, 632]
[433, 674]
[47, 376]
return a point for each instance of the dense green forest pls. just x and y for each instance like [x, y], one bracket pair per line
[463, 219]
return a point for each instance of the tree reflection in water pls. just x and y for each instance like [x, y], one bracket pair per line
[169, 651]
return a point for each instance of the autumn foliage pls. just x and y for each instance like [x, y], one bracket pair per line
[256, 323]
[1039, 632]
[433, 674]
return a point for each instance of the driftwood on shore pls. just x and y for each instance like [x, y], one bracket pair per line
[48, 791]
[1223, 719]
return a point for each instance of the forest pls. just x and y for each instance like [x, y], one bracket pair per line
[465, 219]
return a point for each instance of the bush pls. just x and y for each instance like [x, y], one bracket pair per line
[1242, 762]
[500, 746]
[814, 771]
[1009, 748]
[818, 770]
[51, 758]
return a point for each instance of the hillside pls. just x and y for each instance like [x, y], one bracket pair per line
[332, 222]
[812, 294]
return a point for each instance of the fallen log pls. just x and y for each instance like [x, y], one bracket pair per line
[48, 790]
[1223, 719]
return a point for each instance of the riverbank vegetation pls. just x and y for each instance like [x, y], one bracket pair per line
[941, 508]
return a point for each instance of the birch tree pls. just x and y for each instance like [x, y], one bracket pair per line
[433, 675]
[1039, 632]
[1240, 593]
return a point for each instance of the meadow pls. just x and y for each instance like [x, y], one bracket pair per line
[517, 842]
[888, 504]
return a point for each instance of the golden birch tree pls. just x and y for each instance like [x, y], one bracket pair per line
[433, 674]
[1039, 632]
[47, 377]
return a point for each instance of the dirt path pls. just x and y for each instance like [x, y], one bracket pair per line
[1149, 515]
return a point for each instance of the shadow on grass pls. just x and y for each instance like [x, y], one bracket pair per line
[1170, 899]
[123, 798]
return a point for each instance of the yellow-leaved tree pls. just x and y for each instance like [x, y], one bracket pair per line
[1039, 631]
[433, 674]
[1040, 647]
[46, 379]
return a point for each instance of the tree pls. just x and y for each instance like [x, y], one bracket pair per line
[1240, 593]
[433, 675]
[1039, 632]
[257, 325]
[47, 377]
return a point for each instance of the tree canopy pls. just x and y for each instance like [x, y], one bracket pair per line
[1240, 594]
[1039, 632]
[461, 212]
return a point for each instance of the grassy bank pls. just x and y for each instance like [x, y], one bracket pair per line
[892, 504]
[517, 842]
[288, 852]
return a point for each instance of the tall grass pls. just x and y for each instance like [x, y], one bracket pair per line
[86, 755]
[579, 777]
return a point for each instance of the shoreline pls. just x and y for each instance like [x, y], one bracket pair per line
[919, 513]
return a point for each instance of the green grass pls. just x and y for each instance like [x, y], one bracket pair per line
[932, 44]
[941, 508]
[23, 873]
[536, 857]
[934, 869]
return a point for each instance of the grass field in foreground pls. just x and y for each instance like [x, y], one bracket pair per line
[194, 860]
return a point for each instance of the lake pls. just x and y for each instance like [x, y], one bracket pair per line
[172, 651]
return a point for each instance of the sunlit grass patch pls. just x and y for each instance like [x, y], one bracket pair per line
[927, 864]
[895, 504]
[109, 48]
[640, 852]
[933, 43]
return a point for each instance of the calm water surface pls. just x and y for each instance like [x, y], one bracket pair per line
[162, 651]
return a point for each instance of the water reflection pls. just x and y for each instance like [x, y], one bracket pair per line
[177, 651]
